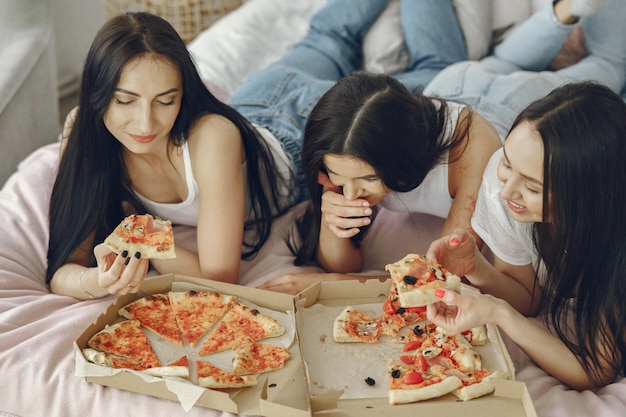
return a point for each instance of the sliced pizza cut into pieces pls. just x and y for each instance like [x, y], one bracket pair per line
[352, 326]
[155, 313]
[197, 311]
[151, 236]
[408, 384]
[417, 278]
[240, 323]
[255, 358]
[125, 339]
[210, 376]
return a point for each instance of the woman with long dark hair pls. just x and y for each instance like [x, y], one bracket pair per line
[551, 211]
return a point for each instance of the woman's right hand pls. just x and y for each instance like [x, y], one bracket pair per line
[457, 252]
[341, 216]
[120, 273]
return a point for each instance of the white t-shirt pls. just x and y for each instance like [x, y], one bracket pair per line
[508, 239]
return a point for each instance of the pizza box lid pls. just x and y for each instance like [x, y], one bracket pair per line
[510, 398]
[279, 393]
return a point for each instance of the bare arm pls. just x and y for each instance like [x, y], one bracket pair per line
[460, 312]
[217, 155]
[459, 253]
[468, 161]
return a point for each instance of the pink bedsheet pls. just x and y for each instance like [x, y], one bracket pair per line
[37, 328]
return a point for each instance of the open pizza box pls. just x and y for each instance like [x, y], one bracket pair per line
[279, 393]
[336, 372]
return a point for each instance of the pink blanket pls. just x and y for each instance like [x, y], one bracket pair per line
[37, 328]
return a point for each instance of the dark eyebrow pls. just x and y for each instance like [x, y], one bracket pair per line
[171, 90]
[330, 171]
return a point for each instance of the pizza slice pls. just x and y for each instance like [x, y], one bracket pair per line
[155, 313]
[478, 383]
[240, 323]
[409, 384]
[254, 358]
[416, 280]
[179, 368]
[352, 326]
[210, 376]
[125, 339]
[151, 236]
[395, 317]
[197, 311]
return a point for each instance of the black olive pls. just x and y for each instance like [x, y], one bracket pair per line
[370, 381]
[400, 310]
[410, 280]
[395, 373]
[271, 385]
[418, 331]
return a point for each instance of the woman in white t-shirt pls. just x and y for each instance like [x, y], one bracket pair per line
[551, 210]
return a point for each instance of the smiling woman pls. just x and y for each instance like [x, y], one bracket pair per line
[148, 136]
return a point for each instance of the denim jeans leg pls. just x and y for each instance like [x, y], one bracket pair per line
[332, 47]
[535, 43]
[434, 40]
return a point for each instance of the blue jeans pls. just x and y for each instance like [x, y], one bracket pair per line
[282, 96]
[499, 87]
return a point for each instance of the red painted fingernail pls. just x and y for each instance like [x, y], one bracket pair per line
[454, 241]
[439, 293]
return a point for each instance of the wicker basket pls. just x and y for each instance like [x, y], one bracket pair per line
[189, 17]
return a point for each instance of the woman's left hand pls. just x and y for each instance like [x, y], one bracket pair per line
[120, 274]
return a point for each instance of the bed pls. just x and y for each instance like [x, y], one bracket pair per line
[37, 328]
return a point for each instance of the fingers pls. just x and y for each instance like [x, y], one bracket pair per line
[125, 275]
[343, 217]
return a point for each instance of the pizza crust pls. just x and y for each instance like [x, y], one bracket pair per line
[481, 388]
[411, 395]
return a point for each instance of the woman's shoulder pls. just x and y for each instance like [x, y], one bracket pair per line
[213, 136]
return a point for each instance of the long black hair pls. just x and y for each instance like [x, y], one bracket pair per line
[582, 238]
[374, 118]
[92, 184]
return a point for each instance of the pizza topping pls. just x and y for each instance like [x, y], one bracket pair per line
[412, 378]
[410, 279]
[431, 352]
[396, 373]
[370, 381]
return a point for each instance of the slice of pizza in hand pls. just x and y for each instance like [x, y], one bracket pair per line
[155, 313]
[417, 278]
[240, 323]
[395, 317]
[255, 358]
[151, 236]
[197, 311]
[210, 376]
[352, 326]
[125, 339]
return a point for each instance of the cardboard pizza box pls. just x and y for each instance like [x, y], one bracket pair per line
[336, 379]
[278, 393]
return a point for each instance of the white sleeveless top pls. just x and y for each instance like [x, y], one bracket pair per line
[432, 196]
[186, 212]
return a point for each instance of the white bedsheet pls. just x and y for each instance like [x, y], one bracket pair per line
[37, 328]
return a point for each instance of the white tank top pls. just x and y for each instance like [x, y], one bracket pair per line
[432, 196]
[186, 212]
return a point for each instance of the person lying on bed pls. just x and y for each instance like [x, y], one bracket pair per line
[147, 136]
[276, 102]
[551, 209]
[362, 158]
